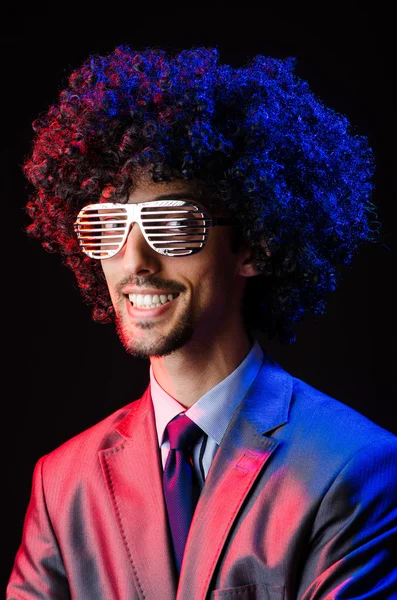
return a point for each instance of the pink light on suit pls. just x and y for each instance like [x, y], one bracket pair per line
[299, 503]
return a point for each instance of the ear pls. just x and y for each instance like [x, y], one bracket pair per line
[247, 269]
[245, 266]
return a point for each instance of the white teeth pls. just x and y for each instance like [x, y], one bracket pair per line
[148, 301]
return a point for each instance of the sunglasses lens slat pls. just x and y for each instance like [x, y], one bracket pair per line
[101, 229]
[182, 232]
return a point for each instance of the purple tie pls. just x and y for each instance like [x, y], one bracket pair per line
[180, 484]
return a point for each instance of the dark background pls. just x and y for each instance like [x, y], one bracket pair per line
[64, 372]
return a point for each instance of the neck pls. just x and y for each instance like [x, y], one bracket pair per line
[189, 373]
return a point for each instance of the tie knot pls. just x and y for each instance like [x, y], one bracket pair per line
[183, 433]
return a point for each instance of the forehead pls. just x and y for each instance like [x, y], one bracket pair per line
[145, 191]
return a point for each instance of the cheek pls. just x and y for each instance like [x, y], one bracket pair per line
[108, 271]
[212, 271]
[210, 284]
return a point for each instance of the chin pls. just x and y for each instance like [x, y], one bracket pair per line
[150, 343]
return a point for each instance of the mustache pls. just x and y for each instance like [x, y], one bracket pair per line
[154, 283]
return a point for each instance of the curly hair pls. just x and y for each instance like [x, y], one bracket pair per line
[288, 169]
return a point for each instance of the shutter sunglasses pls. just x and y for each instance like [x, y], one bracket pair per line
[170, 227]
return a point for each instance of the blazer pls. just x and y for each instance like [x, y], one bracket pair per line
[300, 502]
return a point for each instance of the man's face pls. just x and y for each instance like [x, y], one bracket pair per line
[209, 287]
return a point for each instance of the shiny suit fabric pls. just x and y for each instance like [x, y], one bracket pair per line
[300, 502]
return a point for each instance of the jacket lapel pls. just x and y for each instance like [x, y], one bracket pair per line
[133, 476]
[239, 460]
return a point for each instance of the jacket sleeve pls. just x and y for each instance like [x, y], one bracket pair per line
[353, 548]
[38, 570]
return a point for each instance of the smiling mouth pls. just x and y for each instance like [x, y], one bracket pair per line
[147, 302]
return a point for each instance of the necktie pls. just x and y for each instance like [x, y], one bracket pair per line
[180, 484]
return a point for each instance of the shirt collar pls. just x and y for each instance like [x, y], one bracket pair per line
[214, 410]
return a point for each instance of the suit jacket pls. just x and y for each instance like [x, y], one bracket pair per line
[300, 502]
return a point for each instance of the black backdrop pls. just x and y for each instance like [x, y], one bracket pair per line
[64, 372]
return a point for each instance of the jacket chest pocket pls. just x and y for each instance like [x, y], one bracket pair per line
[253, 591]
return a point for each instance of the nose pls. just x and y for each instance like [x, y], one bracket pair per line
[136, 253]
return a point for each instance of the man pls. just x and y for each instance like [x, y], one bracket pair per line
[197, 203]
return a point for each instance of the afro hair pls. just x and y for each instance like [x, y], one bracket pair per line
[265, 149]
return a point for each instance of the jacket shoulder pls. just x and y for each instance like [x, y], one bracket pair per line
[332, 422]
[84, 447]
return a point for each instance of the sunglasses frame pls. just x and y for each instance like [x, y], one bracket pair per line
[134, 212]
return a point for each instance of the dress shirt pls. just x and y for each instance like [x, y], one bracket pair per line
[212, 412]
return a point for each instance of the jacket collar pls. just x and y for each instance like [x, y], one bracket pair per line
[265, 406]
